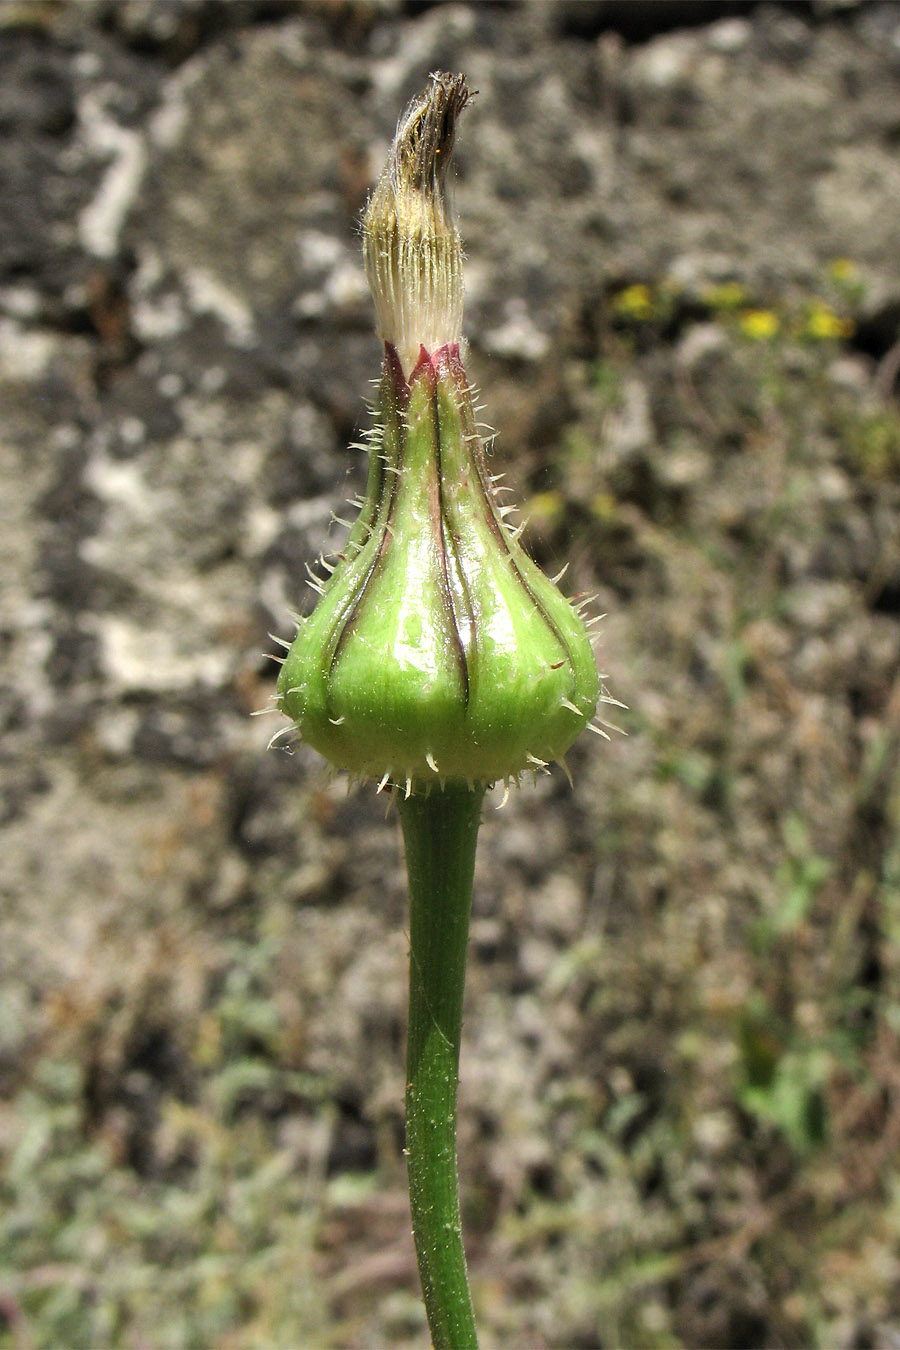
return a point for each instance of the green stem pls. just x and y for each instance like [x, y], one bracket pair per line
[440, 832]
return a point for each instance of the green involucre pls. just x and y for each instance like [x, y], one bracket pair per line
[439, 651]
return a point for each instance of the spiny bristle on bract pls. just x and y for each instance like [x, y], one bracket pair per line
[290, 736]
[271, 703]
[538, 763]
[607, 697]
[404, 784]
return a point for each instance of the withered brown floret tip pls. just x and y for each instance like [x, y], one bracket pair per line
[426, 132]
[412, 247]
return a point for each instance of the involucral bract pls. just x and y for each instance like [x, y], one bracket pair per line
[439, 650]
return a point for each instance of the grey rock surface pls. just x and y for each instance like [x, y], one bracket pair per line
[185, 348]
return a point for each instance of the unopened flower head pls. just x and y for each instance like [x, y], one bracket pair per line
[438, 651]
[412, 246]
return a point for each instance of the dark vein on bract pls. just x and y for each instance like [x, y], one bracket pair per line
[436, 505]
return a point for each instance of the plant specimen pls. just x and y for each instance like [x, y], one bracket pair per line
[439, 659]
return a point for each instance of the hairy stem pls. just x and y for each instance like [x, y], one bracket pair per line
[440, 832]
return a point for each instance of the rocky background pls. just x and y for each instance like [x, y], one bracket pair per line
[681, 1073]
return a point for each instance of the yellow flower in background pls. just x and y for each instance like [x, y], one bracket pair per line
[604, 506]
[634, 302]
[726, 295]
[847, 280]
[844, 271]
[759, 324]
[822, 324]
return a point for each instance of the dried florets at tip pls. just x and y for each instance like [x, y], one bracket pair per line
[412, 246]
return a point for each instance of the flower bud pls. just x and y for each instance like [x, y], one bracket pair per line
[438, 651]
